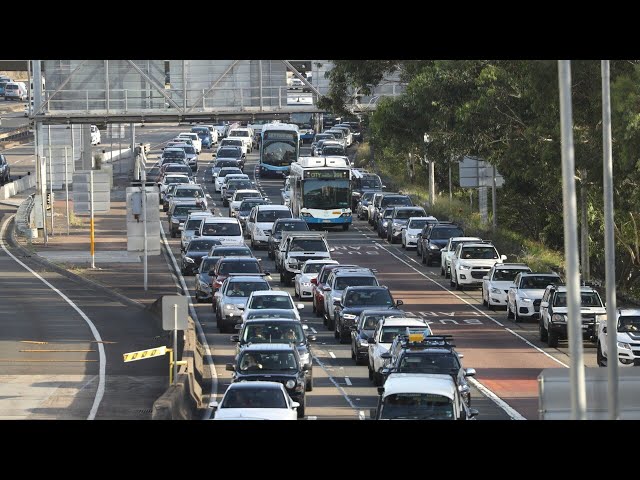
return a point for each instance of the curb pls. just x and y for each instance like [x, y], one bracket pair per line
[71, 276]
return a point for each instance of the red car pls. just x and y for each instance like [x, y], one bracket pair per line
[229, 265]
[318, 288]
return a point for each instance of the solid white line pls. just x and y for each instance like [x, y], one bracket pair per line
[496, 399]
[92, 327]
[203, 338]
[361, 415]
[312, 417]
[340, 389]
[313, 330]
[347, 380]
[332, 355]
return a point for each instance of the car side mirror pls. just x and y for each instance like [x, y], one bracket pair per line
[326, 289]
[314, 281]
[386, 356]
[300, 306]
[469, 372]
[544, 304]
[399, 302]
[337, 303]
[503, 258]
[213, 405]
[295, 404]
[372, 340]
[241, 307]
[238, 326]
[460, 355]
[230, 367]
[604, 330]
[473, 412]
[311, 338]
[235, 338]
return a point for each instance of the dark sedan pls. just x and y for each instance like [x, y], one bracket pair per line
[203, 279]
[196, 250]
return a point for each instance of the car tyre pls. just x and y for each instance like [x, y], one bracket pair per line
[552, 338]
[600, 360]
[543, 331]
[308, 387]
[509, 312]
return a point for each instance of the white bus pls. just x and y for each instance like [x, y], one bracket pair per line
[280, 146]
[321, 191]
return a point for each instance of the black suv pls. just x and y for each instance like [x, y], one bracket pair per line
[283, 225]
[353, 301]
[273, 362]
[363, 329]
[433, 238]
[432, 354]
[390, 200]
[197, 249]
[278, 330]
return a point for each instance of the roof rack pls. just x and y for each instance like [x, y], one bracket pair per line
[410, 340]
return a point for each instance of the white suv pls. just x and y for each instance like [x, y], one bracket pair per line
[197, 143]
[495, 285]
[525, 295]
[447, 252]
[245, 135]
[226, 229]
[471, 262]
[260, 222]
[409, 234]
[627, 338]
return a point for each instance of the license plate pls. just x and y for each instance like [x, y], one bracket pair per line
[326, 221]
[584, 327]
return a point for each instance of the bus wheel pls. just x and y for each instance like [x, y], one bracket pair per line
[345, 227]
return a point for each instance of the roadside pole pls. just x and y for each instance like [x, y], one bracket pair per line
[574, 323]
[143, 178]
[609, 247]
[51, 183]
[91, 225]
[66, 182]
[175, 341]
[493, 197]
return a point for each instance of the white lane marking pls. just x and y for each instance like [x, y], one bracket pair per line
[361, 415]
[335, 384]
[312, 417]
[92, 327]
[332, 355]
[203, 338]
[513, 414]
[313, 330]
[347, 380]
[473, 306]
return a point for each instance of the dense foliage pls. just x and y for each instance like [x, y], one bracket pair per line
[507, 112]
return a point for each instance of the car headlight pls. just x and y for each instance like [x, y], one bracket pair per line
[623, 345]
[364, 343]
[411, 236]
[435, 247]
[385, 223]
[290, 384]
[189, 260]
[348, 316]
[558, 317]
[496, 291]
[525, 300]
[465, 267]
[397, 225]
[231, 306]
[292, 261]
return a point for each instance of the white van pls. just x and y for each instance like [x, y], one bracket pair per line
[15, 91]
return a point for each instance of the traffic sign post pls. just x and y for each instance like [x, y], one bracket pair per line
[174, 317]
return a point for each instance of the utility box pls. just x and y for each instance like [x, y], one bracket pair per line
[554, 397]
[135, 223]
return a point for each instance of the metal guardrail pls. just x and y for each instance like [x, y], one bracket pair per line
[16, 134]
[23, 215]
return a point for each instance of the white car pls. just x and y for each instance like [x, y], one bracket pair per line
[227, 230]
[382, 338]
[95, 135]
[270, 299]
[224, 171]
[191, 224]
[471, 262]
[230, 176]
[214, 134]
[303, 281]
[233, 142]
[256, 400]
[197, 143]
[245, 134]
[260, 222]
[447, 252]
[240, 195]
[174, 178]
[409, 234]
[627, 338]
[525, 294]
[285, 192]
[495, 285]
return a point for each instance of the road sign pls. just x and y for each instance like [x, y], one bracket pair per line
[478, 173]
[82, 192]
[143, 354]
[169, 319]
[135, 223]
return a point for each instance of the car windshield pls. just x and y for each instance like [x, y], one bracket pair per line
[227, 171]
[587, 299]
[388, 213]
[370, 182]
[291, 227]
[239, 185]
[226, 163]
[249, 266]
[312, 267]
[178, 168]
[271, 301]
[247, 206]
[416, 406]
[360, 281]
[417, 224]
[188, 192]
[538, 282]
[369, 322]
[201, 245]
[254, 398]
[395, 200]
[404, 214]
[232, 251]
[230, 152]
[307, 245]
[272, 215]
[174, 154]
[507, 274]
[268, 360]
[240, 195]
[239, 133]
[176, 179]
[445, 233]
[424, 362]
[367, 196]
[287, 313]
[331, 150]
[368, 297]
[244, 289]
[221, 229]
[208, 264]
[390, 332]
[475, 253]
[629, 324]
[183, 210]
[273, 332]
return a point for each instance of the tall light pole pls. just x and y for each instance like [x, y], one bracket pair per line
[427, 140]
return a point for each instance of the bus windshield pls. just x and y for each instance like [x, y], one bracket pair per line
[326, 194]
[279, 148]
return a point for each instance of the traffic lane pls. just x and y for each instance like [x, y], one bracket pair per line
[13, 120]
[449, 314]
[21, 160]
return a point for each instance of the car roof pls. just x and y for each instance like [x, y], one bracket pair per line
[272, 207]
[583, 288]
[511, 266]
[378, 311]
[326, 261]
[367, 287]
[238, 259]
[629, 312]
[404, 322]
[247, 278]
[356, 271]
[277, 320]
[271, 347]
[436, 384]
[539, 274]
[214, 219]
[232, 247]
[255, 384]
[478, 244]
[423, 218]
[290, 220]
[272, 293]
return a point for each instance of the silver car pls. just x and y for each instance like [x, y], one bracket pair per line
[231, 298]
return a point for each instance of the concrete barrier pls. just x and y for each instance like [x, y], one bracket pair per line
[13, 188]
[23, 217]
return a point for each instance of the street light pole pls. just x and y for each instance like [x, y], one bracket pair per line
[427, 140]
